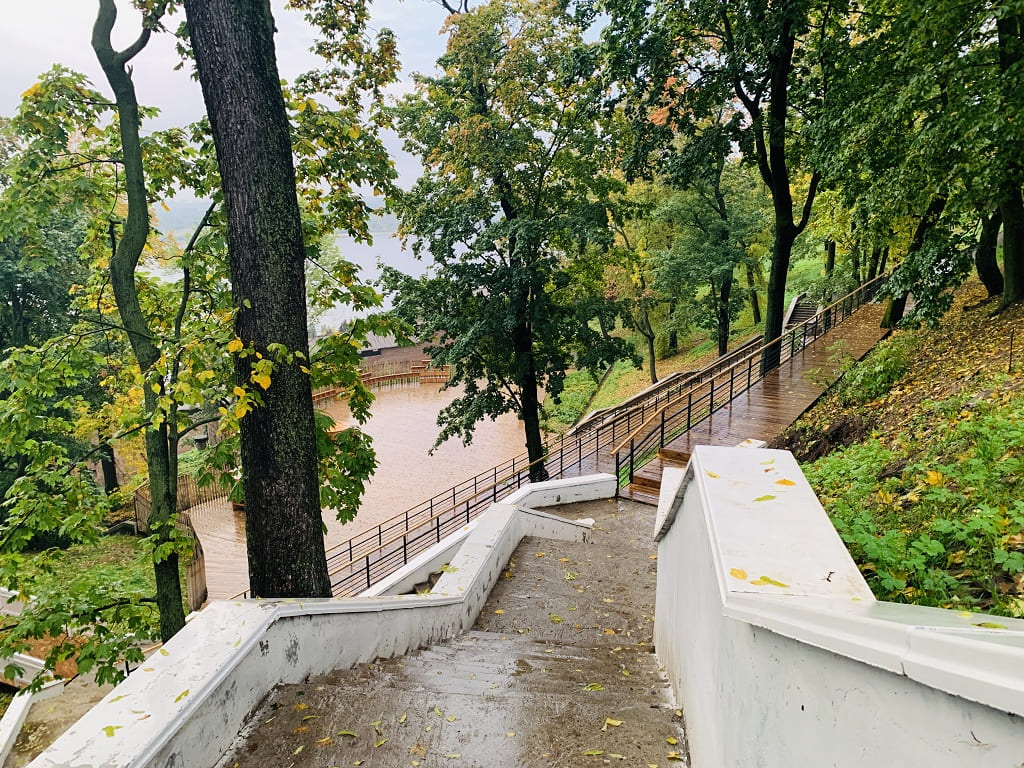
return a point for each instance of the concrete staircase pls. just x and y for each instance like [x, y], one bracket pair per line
[485, 699]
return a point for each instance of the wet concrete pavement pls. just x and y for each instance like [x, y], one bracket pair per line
[558, 671]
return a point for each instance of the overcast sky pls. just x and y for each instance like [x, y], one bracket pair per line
[34, 35]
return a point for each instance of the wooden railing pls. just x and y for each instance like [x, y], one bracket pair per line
[717, 389]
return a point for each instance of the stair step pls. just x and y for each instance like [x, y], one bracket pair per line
[672, 456]
[646, 481]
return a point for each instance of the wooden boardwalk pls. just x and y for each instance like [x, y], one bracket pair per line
[765, 410]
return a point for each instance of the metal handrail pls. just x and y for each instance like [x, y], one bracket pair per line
[736, 379]
[360, 561]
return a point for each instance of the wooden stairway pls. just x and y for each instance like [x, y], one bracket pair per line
[646, 485]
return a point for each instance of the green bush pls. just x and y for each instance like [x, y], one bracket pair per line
[939, 520]
[877, 373]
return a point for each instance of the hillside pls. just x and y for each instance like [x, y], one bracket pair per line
[918, 456]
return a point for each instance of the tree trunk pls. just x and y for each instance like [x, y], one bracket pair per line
[673, 333]
[876, 255]
[522, 347]
[985, 254]
[775, 310]
[1010, 36]
[830, 258]
[722, 321]
[651, 363]
[122, 279]
[898, 304]
[882, 263]
[234, 50]
[1012, 208]
[755, 306]
[109, 469]
[855, 265]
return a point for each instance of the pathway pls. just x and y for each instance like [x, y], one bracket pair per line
[559, 670]
[765, 410]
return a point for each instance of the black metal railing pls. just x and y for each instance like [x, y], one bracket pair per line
[716, 390]
[361, 561]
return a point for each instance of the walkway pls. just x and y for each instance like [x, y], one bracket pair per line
[559, 671]
[765, 410]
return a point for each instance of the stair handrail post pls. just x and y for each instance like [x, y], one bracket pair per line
[631, 455]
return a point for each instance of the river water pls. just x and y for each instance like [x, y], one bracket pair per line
[403, 427]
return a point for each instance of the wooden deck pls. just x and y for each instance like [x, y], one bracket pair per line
[765, 410]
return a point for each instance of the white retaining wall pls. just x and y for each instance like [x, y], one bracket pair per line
[780, 655]
[185, 705]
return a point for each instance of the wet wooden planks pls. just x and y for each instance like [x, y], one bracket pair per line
[770, 406]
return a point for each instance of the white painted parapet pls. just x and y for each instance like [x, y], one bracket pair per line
[186, 704]
[531, 496]
[780, 655]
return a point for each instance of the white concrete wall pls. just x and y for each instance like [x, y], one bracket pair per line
[780, 655]
[546, 494]
[185, 705]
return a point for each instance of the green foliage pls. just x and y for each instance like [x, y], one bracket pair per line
[878, 372]
[938, 520]
[514, 186]
[570, 405]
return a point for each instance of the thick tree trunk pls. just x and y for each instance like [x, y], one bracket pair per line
[755, 306]
[855, 265]
[1010, 35]
[234, 51]
[775, 309]
[522, 347]
[122, 279]
[885, 258]
[1012, 208]
[770, 141]
[985, 254]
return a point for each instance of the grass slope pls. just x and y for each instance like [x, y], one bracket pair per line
[918, 456]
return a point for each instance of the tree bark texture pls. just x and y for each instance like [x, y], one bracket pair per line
[526, 373]
[123, 262]
[985, 254]
[235, 58]
[755, 305]
[1010, 35]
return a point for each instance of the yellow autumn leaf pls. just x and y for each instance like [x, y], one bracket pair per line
[738, 573]
[711, 474]
[500, 611]
[262, 379]
[610, 722]
[784, 481]
[235, 345]
[181, 696]
[238, 392]
[934, 478]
